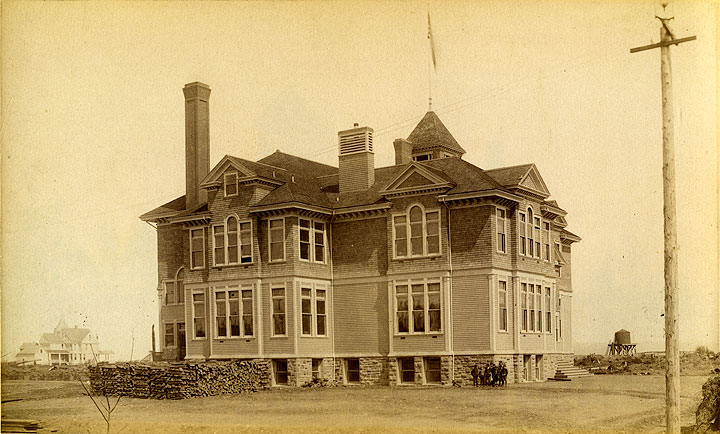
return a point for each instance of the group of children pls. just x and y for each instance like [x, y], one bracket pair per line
[489, 375]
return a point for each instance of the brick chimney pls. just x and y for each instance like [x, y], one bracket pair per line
[356, 159]
[403, 150]
[197, 142]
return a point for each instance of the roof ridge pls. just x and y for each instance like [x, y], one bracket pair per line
[277, 151]
[256, 162]
[509, 167]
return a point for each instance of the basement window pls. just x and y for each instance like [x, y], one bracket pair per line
[280, 371]
[316, 364]
[432, 370]
[352, 370]
[407, 370]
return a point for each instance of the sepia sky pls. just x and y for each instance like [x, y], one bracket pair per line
[93, 136]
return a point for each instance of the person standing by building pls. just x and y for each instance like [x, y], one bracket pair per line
[475, 372]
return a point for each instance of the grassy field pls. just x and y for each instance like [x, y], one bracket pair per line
[607, 403]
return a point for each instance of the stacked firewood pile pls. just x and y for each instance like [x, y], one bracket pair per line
[178, 381]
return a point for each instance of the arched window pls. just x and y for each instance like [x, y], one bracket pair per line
[232, 240]
[416, 233]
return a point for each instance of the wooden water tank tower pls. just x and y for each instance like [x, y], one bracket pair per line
[621, 344]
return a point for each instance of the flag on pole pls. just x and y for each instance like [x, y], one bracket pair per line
[432, 44]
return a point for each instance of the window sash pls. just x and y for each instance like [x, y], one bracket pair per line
[418, 307]
[501, 222]
[502, 306]
[199, 331]
[276, 239]
[234, 313]
[311, 236]
[197, 249]
[418, 236]
[279, 326]
[522, 229]
[169, 340]
[230, 183]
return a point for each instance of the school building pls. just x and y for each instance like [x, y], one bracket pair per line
[410, 273]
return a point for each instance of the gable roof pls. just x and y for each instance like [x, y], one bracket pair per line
[29, 348]
[525, 176]
[430, 132]
[75, 335]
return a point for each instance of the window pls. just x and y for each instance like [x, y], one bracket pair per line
[231, 186]
[352, 370]
[417, 307]
[536, 237]
[523, 238]
[276, 229]
[232, 242]
[231, 305]
[523, 297]
[422, 157]
[312, 301]
[278, 312]
[197, 249]
[199, 315]
[538, 304]
[432, 370]
[529, 232]
[531, 294]
[312, 240]
[280, 371]
[416, 233]
[174, 292]
[546, 240]
[316, 364]
[169, 335]
[500, 213]
[548, 314]
[407, 370]
[502, 306]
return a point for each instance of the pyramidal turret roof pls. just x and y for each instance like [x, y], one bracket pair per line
[430, 132]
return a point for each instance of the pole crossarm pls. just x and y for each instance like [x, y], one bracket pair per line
[663, 44]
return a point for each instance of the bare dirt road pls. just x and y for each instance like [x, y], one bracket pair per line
[605, 403]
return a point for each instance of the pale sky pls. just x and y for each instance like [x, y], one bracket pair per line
[93, 136]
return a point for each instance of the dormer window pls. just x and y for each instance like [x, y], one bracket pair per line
[422, 157]
[416, 233]
[231, 186]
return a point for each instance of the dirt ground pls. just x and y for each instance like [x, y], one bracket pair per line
[607, 403]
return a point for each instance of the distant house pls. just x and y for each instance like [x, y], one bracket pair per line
[64, 346]
[30, 353]
[410, 273]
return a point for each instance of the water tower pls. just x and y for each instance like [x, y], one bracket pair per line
[621, 344]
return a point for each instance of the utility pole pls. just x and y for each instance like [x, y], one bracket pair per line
[672, 349]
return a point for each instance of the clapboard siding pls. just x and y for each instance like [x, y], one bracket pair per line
[418, 344]
[277, 344]
[361, 322]
[471, 313]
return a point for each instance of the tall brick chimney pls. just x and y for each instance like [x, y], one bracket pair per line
[197, 142]
[356, 159]
[403, 150]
